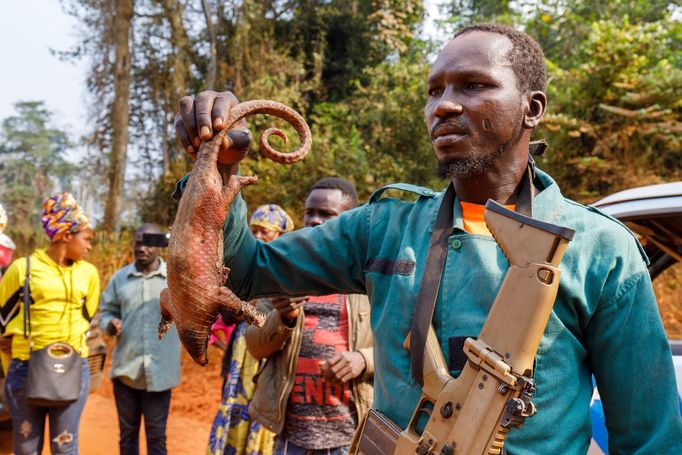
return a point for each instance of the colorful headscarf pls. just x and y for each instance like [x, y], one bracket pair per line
[3, 219]
[273, 217]
[62, 214]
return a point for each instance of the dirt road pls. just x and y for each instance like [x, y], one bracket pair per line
[99, 433]
[193, 406]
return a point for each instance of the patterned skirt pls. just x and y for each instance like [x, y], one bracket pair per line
[233, 432]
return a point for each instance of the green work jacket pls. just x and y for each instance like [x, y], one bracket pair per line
[605, 321]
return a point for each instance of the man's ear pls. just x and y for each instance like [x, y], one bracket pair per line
[537, 103]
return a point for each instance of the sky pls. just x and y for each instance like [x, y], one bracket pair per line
[28, 29]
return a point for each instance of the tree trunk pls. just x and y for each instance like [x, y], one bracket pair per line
[213, 63]
[182, 56]
[165, 145]
[120, 112]
[176, 85]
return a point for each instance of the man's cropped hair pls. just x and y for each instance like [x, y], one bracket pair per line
[337, 183]
[526, 56]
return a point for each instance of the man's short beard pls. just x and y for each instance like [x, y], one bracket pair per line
[467, 167]
[471, 167]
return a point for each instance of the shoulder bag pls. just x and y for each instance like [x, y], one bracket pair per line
[54, 372]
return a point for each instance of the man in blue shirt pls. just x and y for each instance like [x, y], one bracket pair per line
[144, 368]
[486, 94]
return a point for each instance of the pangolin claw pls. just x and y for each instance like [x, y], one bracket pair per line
[196, 291]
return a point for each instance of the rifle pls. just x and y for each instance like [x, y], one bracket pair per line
[473, 413]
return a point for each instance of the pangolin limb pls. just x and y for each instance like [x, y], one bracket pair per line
[196, 274]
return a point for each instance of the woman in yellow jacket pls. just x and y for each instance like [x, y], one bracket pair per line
[64, 294]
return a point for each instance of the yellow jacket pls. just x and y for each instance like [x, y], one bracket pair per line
[64, 299]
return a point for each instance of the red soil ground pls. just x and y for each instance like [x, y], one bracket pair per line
[193, 407]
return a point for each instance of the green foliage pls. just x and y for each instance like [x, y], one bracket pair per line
[460, 13]
[320, 58]
[110, 252]
[374, 137]
[32, 165]
[337, 40]
[156, 206]
[561, 26]
[614, 117]
[356, 69]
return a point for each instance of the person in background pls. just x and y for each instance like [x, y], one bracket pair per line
[3, 218]
[233, 431]
[317, 383]
[7, 246]
[144, 369]
[221, 334]
[64, 291]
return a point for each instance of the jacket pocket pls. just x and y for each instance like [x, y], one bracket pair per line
[390, 267]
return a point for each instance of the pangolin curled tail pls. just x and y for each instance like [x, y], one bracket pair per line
[281, 111]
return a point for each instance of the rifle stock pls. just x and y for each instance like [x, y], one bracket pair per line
[473, 413]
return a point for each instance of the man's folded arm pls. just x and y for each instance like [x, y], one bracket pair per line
[312, 261]
[264, 341]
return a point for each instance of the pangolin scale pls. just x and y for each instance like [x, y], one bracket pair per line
[196, 274]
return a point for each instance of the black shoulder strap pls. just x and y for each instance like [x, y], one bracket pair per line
[433, 270]
[524, 199]
[27, 299]
[428, 292]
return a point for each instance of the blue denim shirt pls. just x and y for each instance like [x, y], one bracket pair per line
[605, 321]
[141, 360]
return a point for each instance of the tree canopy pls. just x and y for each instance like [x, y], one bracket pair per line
[356, 70]
[33, 165]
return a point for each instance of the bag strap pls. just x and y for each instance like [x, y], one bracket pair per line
[435, 261]
[27, 300]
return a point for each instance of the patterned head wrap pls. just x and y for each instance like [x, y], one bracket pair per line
[62, 214]
[273, 217]
[3, 218]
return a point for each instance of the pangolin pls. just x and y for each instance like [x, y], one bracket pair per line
[196, 273]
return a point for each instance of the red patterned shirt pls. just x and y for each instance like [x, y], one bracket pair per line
[321, 415]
